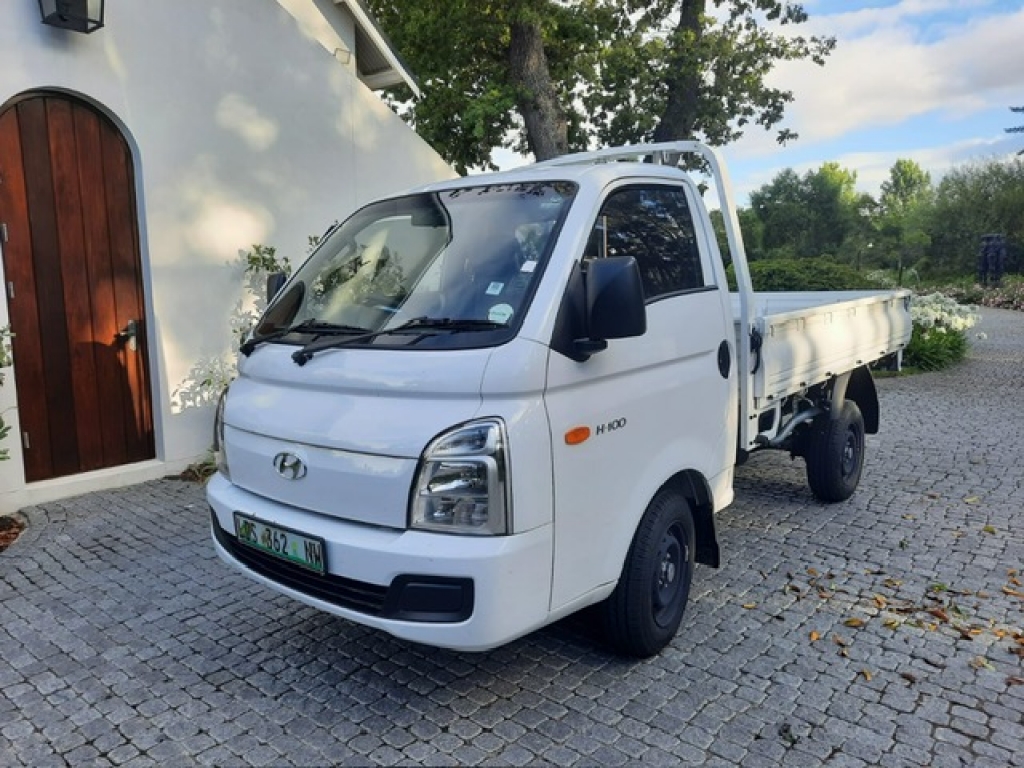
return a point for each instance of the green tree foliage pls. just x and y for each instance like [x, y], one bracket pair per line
[908, 185]
[936, 230]
[902, 224]
[805, 216]
[549, 76]
[972, 201]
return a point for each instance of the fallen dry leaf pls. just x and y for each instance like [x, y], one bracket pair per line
[989, 529]
[909, 517]
[854, 622]
[939, 614]
[815, 636]
[1015, 581]
[980, 662]
[908, 677]
[972, 499]
[1014, 592]
[748, 606]
[1011, 572]
[840, 641]
[891, 623]
[812, 571]
[867, 674]
[1014, 680]
[933, 495]
[880, 601]
[843, 652]
[892, 583]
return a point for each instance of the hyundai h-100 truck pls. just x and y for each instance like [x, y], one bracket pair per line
[488, 403]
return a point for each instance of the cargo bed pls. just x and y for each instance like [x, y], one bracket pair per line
[810, 336]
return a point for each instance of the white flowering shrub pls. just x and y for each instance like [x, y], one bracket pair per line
[888, 278]
[940, 331]
[939, 311]
[6, 359]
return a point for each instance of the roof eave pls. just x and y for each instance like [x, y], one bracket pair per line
[398, 73]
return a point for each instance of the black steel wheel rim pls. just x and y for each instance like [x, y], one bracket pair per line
[670, 575]
[851, 453]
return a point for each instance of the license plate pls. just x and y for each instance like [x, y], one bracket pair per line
[286, 544]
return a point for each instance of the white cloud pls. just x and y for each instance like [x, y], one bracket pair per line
[890, 75]
[873, 167]
[895, 69]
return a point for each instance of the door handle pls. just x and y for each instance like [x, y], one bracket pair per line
[129, 333]
[724, 359]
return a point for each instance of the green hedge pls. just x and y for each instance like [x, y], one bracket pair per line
[803, 275]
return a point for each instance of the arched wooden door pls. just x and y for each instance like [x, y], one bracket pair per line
[69, 234]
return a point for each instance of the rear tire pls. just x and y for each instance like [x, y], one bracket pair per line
[835, 454]
[643, 613]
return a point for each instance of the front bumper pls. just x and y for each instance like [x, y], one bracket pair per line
[460, 592]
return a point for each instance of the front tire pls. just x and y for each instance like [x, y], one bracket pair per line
[643, 613]
[835, 454]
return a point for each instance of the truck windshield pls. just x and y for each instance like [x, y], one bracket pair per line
[470, 254]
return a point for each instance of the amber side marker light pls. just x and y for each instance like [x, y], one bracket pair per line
[577, 435]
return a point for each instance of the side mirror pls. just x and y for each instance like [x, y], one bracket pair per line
[275, 281]
[615, 306]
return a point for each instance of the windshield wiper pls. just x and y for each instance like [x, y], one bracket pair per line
[451, 324]
[306, 326]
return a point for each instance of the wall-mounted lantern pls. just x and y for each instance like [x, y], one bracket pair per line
[77, 15]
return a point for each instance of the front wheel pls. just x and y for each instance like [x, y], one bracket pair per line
[835, 454]
[643, 613]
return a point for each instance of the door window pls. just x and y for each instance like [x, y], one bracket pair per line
[654, 226]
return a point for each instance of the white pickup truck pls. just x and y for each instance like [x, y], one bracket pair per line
[488, 403]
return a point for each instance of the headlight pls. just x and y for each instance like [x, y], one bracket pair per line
[220, 454]
[462, 484]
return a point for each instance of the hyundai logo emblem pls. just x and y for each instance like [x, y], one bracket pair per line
[289, 466]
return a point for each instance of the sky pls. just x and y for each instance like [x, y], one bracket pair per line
[929, 80]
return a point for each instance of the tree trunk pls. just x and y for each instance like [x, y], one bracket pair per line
[547, 130]
[683, 79]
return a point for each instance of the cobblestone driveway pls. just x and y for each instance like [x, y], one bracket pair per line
[876, 632]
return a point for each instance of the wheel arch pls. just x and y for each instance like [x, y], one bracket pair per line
[859, 386]
[694, 487]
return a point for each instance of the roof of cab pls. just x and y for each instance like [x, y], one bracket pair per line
[598, 174]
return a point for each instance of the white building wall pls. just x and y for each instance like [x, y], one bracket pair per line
[245, 130]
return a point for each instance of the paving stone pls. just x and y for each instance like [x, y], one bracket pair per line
[176, 659]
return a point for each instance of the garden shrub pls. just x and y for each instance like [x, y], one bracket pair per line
[940, 332]
[1009, 294]
[803, 275]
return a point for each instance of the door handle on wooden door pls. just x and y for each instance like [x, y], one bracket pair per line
[129, 333]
